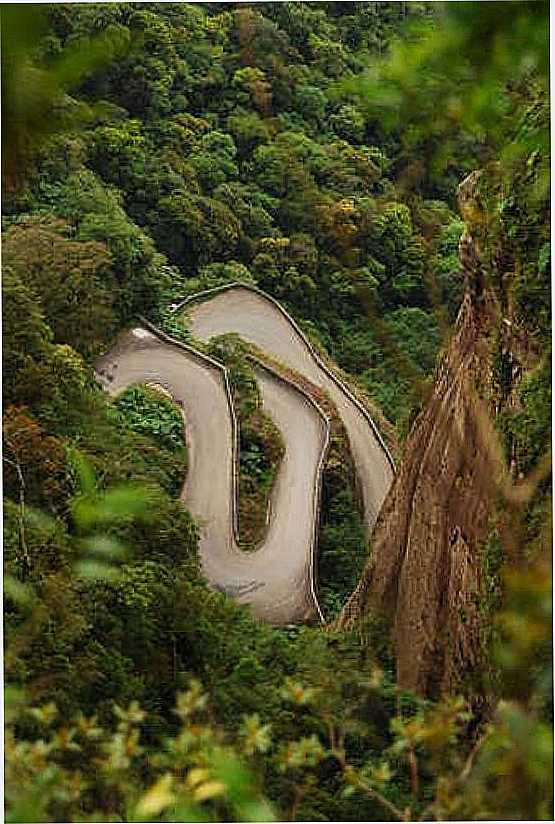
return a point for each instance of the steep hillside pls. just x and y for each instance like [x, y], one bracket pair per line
[426, 569]
[472, 495]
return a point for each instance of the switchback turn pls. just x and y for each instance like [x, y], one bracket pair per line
[277, 580]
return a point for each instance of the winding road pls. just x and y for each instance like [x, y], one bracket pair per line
[278, 579]
[261, 320]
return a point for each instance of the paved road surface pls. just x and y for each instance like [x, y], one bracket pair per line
[276, 579]
[260, 320]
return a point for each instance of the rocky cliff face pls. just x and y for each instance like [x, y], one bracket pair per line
[425, 568]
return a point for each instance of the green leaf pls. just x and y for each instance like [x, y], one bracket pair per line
[115, 505]
[85, 472]
[34, 517]
[95, 570]
[104, 546]
[256, 811]
[21, 594]
[14, 696]
[187, 811]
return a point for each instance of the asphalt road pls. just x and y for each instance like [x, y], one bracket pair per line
[276, 580]
[260, 320]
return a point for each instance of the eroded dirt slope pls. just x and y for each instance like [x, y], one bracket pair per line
[426, 562]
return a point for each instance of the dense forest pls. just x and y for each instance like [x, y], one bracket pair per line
[316, 150]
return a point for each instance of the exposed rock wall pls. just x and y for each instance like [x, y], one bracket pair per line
[426, 554]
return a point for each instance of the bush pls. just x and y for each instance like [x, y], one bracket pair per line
[149, 412]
